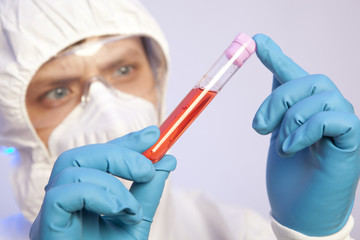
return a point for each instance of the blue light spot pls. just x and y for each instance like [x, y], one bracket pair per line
[9, 150]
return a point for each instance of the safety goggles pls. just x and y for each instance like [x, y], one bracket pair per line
[111, 60]
[120, 63]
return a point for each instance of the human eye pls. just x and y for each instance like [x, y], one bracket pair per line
[57, 93]
[56, 97]
[122, 71]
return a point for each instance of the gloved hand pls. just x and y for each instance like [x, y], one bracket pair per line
[85, 201]
[313, 163]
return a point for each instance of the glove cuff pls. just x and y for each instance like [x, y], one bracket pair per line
[283, 233]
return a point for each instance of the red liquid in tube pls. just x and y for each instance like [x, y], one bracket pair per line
[199, 97]
[178, 121]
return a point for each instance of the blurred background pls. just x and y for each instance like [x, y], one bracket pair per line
[221, 154]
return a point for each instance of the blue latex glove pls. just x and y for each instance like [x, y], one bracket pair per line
[313, 163]
[84, 201]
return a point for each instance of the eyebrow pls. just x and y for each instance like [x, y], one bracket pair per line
[54, 75]
[41, 85]
[120, 57]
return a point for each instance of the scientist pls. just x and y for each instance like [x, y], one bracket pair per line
[82, 84]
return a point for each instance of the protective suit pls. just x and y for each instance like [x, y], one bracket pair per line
[39, 46]
[35, 31]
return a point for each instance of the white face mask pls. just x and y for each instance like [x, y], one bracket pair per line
[108, 114]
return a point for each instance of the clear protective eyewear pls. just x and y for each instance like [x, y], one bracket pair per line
[119, 62]
[105, 60]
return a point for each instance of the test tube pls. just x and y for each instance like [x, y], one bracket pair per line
[201, 94]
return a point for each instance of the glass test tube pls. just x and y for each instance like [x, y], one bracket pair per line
[201, 94]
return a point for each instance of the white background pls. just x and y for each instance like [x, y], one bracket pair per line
[220, 153]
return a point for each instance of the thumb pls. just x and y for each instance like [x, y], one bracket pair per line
[271, 55]
[139, 141]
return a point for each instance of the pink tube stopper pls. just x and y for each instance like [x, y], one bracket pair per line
[241, 40]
